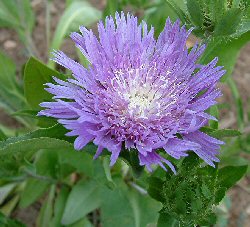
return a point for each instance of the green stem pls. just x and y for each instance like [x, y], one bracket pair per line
[138, 188]
[40, 177]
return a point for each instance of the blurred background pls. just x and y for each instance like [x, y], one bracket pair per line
[36, 27]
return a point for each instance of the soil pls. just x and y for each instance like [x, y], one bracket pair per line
[10, 44]
[240, 194]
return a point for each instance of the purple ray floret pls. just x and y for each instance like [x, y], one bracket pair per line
[138, 91]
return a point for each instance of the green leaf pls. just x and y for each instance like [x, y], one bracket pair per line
[43, 121]
[190, 196]
[213, 110]
[229, 23]
[28, 20]
[49, 164]
[46, 212]
[8, 72]
[36, 74]
[33, 190]
[67, 159]
[81, 161]
[137, 210]
[78, 13]
[59, 206]
[166, 220]
[8, 222]
[209, 220]
[220, 194]
[155, 188]
[35, 145]
[8, 14]
[157, 15]
[114, 202]
[34, 140]
[82, 59]
[238, 102]
[106, 167]
[226, 51]
[48, 167]
[111, 7]
[217, 8]
[8, 207]
[9, 132]
[145, 209]
[245, 23]
[132, 159]
[177, 7]
[57, 131]
[195, 12]
[222, 133]
[229, 175]
[11, 97]
[2, 136]
[48, 171]
[27, 113]
[17, 15]
[84, 222]
[235, 160]
[10, 165]
[83, 199]
[5, 190]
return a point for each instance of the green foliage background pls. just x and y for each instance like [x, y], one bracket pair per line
[38, 163]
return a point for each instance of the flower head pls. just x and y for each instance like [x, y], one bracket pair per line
[138, 92]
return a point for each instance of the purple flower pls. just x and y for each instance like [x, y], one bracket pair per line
[138, 92]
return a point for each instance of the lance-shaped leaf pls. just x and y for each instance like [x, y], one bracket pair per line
[83, 199]
[36, 74]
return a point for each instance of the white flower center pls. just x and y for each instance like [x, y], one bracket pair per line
[142, 89]
[138, 105]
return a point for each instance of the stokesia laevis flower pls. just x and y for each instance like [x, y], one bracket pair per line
[137, 92]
